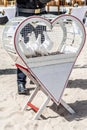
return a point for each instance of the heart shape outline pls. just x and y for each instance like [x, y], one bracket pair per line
[50, 24]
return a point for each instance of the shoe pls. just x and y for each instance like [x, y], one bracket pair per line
[22, 89]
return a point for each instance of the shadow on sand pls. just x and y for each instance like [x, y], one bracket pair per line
[7, 71]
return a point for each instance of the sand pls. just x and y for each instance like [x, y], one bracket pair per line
[12, 115]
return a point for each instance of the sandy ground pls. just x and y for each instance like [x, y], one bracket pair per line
[12, 115]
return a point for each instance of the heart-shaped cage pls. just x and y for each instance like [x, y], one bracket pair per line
[48, 49]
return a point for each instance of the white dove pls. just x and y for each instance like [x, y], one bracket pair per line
[42, 50]
[37, 43]
[32, 39]
[28, 51]
[47, 42]
[46, 46]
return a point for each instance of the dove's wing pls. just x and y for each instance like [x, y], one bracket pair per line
[47, 42]
[28, 51]
[32, 39]
[37, 43]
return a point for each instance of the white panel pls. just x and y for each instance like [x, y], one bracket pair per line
[54, 77]
[50, 60]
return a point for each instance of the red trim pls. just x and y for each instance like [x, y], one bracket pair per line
[33, 106]
[19, 66]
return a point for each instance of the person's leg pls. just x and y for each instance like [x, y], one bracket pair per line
[21, 77]
[21, 81]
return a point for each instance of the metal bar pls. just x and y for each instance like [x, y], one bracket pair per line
[32, 96]
[37, 115]
[67, 107]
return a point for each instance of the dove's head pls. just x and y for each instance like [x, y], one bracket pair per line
[28, 34]
[21, 39]
[39, 36]
[44, 32]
